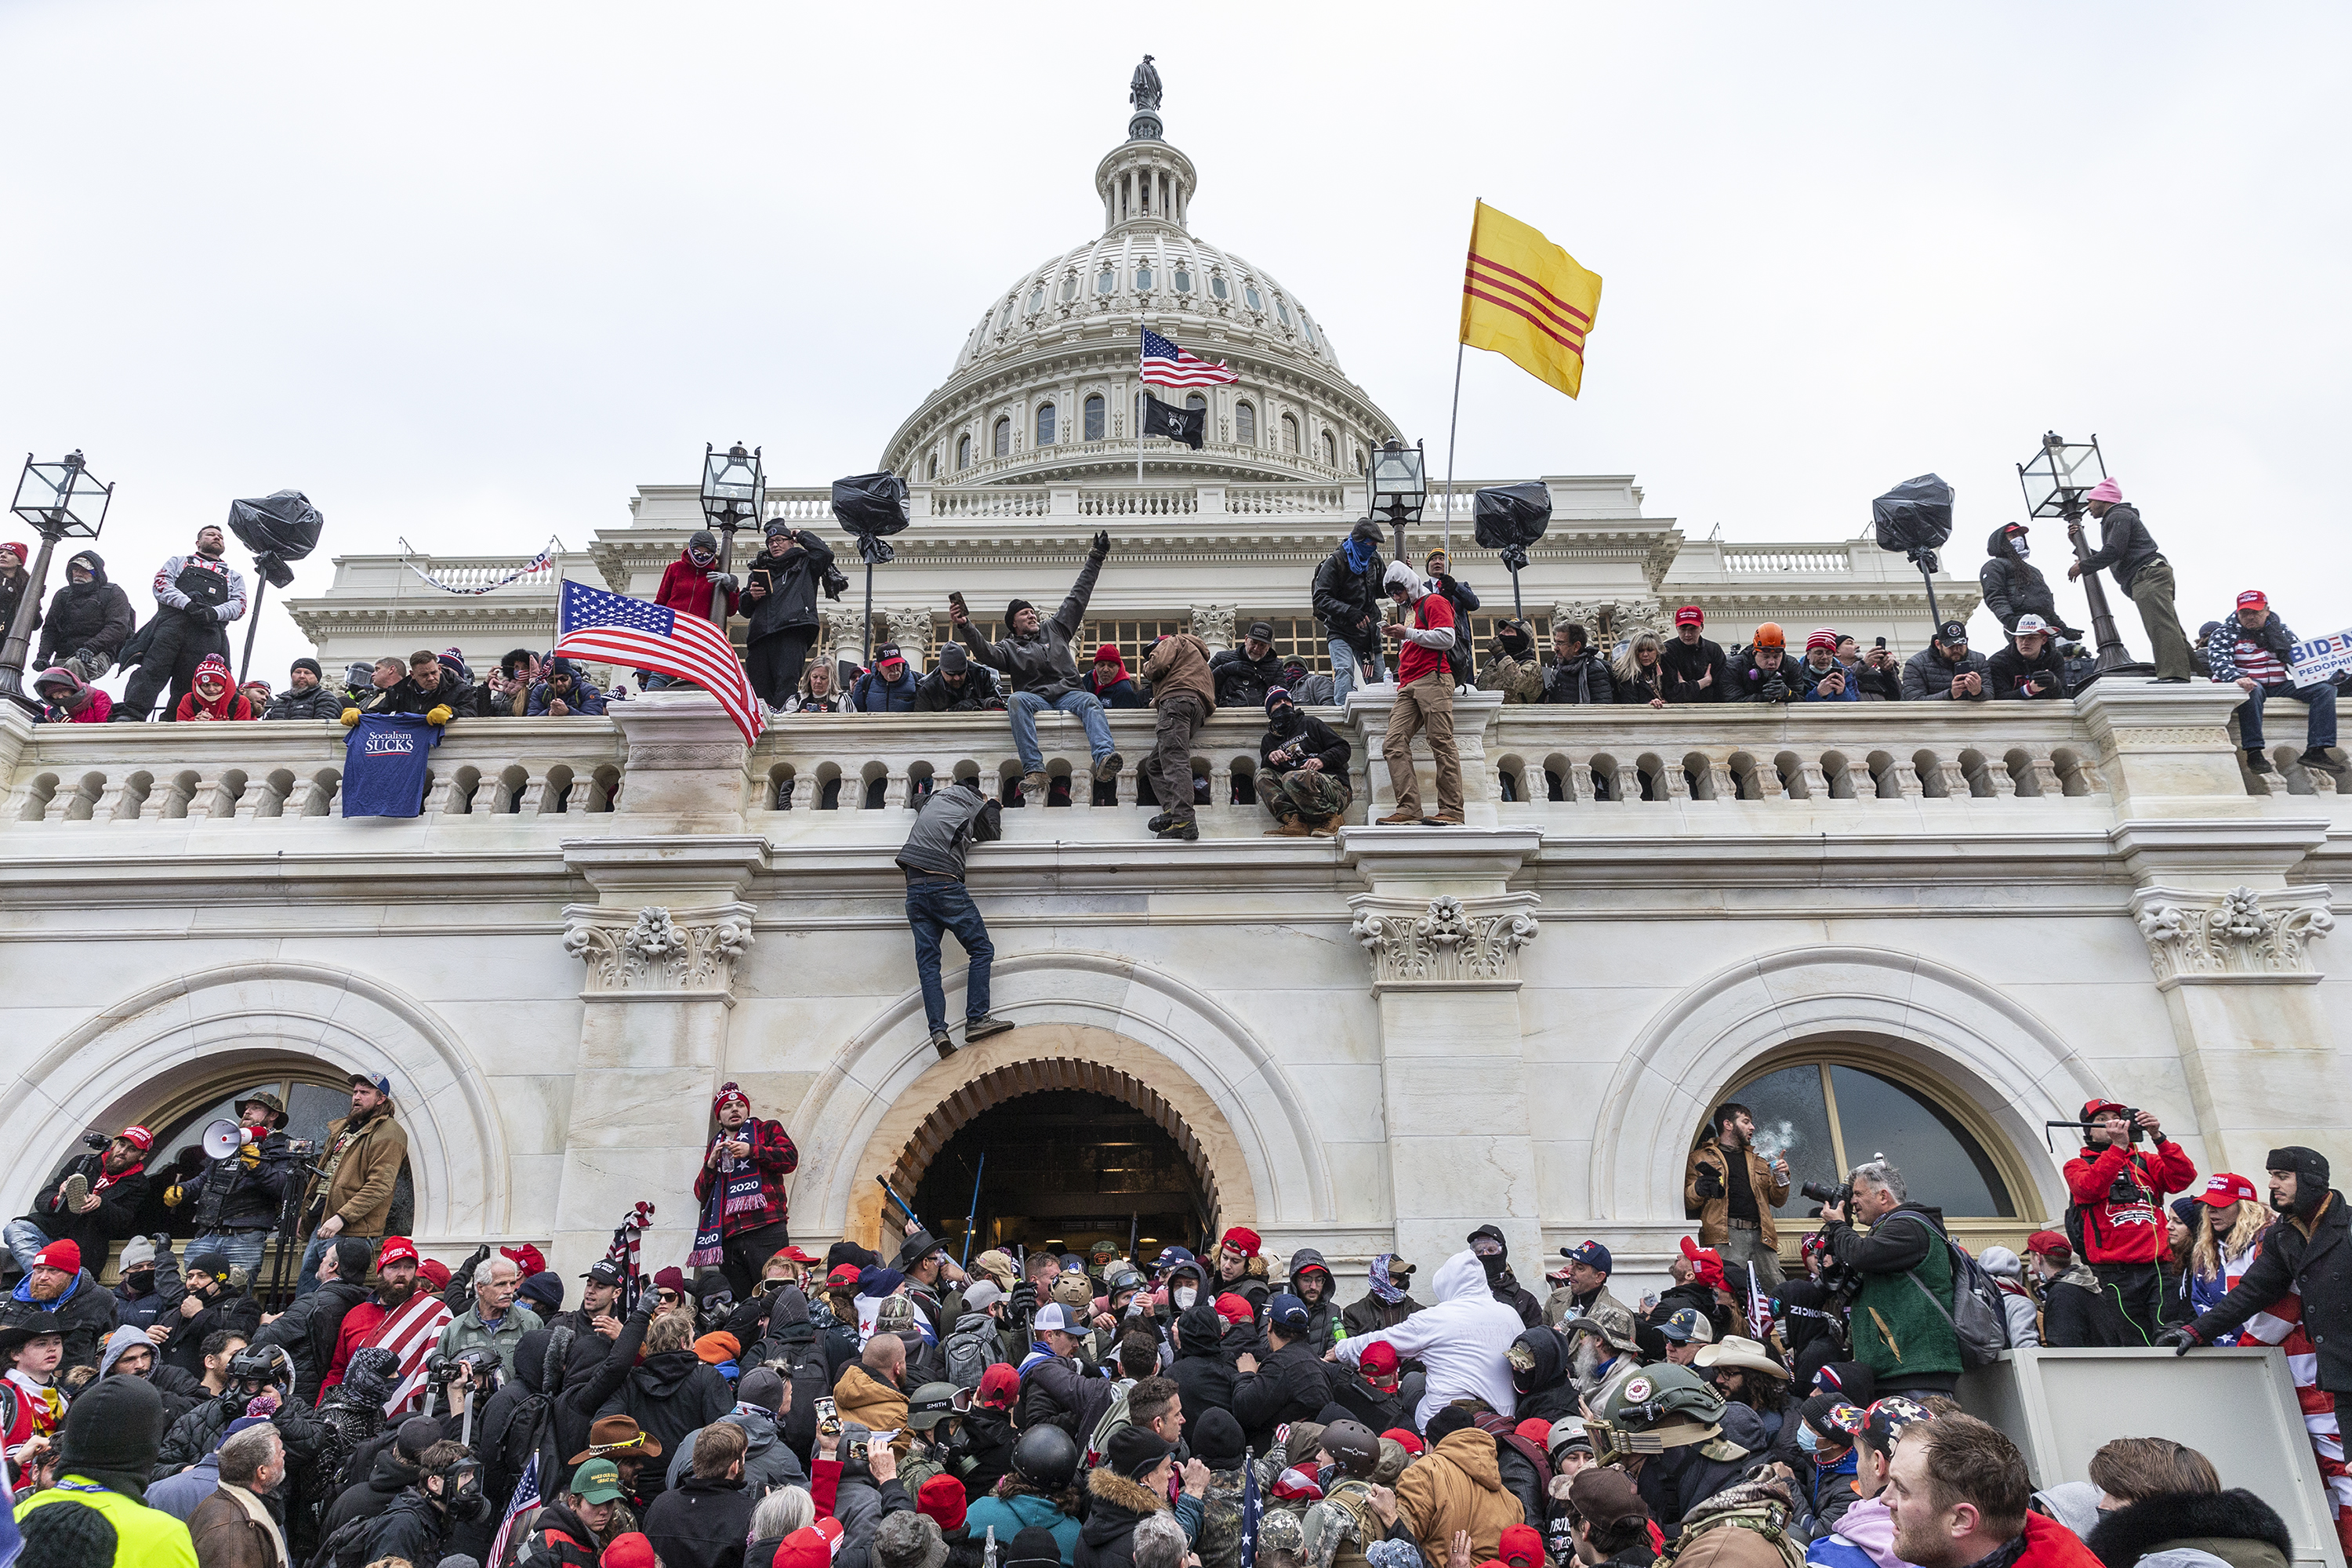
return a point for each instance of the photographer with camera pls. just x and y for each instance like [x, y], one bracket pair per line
[780, 588]
[236, 1199]
[2117, 1220]
[360, 1164]
[1901, 1319]
[309, 1328]
[1731, 1190]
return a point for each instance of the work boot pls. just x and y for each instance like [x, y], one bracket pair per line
[2317, 757]
[1292, 828]
[1160, 824]
[942, 1043]
[987, 1023]
[1188, 830]
[1329, 828]
[70, 1193]
[1401, 819]
[2257, 764]
[1442, 819]
[1107, 768]
[1033, 788]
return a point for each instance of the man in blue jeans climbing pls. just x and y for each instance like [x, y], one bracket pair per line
[949, 823]
[1038, 663]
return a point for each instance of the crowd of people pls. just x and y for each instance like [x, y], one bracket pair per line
[1365, 606]
[760, 1404]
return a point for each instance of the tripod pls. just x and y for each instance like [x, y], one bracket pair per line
[286, 1264]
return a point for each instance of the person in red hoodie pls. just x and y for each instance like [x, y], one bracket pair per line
[2118, 1211]
[688, 584]
[215, 694]
[69, 699]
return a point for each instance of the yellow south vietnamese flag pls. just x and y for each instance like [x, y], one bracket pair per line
[1526, 299]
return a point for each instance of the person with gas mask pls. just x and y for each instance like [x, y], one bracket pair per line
[2014, 589]
[89, 619]
[688, 586]
[447, 1493]
[1303, 781]
[196, 595]
[234, 1199]
[1511, 665]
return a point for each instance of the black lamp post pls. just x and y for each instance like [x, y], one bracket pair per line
[61, 501]
[2055, 481]
[733, 487]
[1400, 486]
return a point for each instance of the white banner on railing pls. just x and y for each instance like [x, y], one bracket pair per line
[2316, 659]
[536, 564]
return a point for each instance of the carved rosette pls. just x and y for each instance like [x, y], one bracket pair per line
[1214, 625]
[691, 954]
[1446, 944]
[2197, 938]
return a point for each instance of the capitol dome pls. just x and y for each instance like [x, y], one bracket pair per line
[1046, 386]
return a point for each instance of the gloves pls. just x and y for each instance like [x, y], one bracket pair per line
[2182, 1340]
[1023, 1299]
[174, 1194]
[724, 582]
[1102, 543]
[350, 716]
[1775, 690]
[1708, 1184]
[439, 715]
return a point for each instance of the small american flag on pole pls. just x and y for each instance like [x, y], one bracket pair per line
[1165, 364]
[526, 1499]
[613, 628]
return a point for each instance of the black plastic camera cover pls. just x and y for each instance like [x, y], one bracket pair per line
[1512, 515]
[871, 506]
[278, 528]
[1915, 515]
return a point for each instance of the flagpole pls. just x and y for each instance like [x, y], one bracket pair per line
[1140, 395]
[1451, 425]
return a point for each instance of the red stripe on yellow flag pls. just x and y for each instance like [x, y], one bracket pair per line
[1526, 299]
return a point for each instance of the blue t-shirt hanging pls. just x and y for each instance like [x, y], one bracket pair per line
[385, 759]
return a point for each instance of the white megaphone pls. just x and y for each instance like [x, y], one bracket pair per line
[223, 1138]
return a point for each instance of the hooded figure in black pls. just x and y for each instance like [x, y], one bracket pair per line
[1539, 1372]
[89, 619]
[1204, 1374]
[1499, 1278]
[780, 588]
[2011, 588]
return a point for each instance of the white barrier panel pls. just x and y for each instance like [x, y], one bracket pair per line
[2237, 1407]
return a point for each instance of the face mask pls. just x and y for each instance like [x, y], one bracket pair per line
[2019, 546]
[1185, 1297]
[140, 1281]
[1284, 720]
[1807, 1438]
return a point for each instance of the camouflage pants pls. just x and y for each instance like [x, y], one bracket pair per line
[1302, 792]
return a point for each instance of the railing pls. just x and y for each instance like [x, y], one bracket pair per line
[1174, 501]
[800, 506]
[1263, 500]
[992, 503]
[482, 570]
[1786, 559]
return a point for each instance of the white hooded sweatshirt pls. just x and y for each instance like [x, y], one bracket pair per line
[1461, 1340]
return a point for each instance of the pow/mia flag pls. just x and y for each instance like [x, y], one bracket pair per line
[1190, 426]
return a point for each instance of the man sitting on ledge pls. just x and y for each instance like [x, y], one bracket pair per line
[1037, 660]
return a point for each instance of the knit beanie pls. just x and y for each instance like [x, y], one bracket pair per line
[940, 1499]
[352, 1258]
[112, 1431]
[763, 1386]
[1015, 608]
[1132, 1451]
[66, 1535]
[1216, 1439]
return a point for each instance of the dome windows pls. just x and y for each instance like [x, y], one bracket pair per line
[1045, 425]
[1105, 282]
[1250, 297]
[1070, 288]
[1000, 441]
[1005, 315]
[1217, 286]
[1184, 279]
[963, 452]
[1282, 309]
[1330, 451]
[1093, 416]
[1036, 298]
[1289, 434]
[1245, 423]
[1307, 327]
[1143, 277]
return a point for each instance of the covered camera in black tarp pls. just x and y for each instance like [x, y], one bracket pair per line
[1915, 515]
[872, 507]
[1509, 518]
[277, 529]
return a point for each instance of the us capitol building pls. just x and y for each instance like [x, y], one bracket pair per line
[1923, 929]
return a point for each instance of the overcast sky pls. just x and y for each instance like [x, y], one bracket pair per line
[470, 274]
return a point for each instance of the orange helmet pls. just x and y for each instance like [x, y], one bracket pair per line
[1770, 635]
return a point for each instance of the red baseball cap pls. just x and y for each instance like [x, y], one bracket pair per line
[1408, 1441]
[2222, 1188]
[433, 1269]
[138, 1136]
[813, 1547]
[2092, 1108]
[396, 1249]
[2253, 599]
[843, 1277]
[791, 1255]
[1000, 1387]
[1234, 1309]
[1521, 1547]
[1379, 1359]
[1690, 615]
[2048, 1241]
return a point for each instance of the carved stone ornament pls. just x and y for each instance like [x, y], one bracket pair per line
[659, 953]
[1446, 945]
[1214, 625]
[2203, 938]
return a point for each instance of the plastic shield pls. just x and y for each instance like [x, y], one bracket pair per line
[1915, 515]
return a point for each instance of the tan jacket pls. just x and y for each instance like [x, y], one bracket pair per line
[1181, 663]
[1517, 682]
[874, 1405]
[362, 1189]
[1458, 1486]
[1715, 1213]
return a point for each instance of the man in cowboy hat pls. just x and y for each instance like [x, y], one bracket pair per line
[236, 1199]
[619, 1439]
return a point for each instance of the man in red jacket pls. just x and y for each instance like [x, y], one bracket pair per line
[2118, 1211]
[742, 1180]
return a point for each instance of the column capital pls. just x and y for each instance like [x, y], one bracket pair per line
[2205, 938]
[658, 954]
[1444, 944]
[1214, 625]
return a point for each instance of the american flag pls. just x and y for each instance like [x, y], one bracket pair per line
[526, 1497]
[1165, 364]
[1251, 1508]
[1759, 1310]
[409, 1332]
[613, 628]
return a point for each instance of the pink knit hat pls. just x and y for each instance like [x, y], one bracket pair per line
[2106, 489]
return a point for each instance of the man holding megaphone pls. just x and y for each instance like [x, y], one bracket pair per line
[235, 1181]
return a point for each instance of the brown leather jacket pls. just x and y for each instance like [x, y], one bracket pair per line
[1713, 1215]
[362, 1190]
[1181, 663]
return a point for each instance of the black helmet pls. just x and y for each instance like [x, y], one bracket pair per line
[1046, 1458]
[1353, 1445]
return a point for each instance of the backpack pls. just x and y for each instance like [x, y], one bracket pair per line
[1978, 1321]
[348, 1546]
[970, 1353]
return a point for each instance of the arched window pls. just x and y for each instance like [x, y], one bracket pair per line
[1045, 425]
[1000, 443]
[1330, 451]
[1036, 298]
[1826, 1113]
[1093, 416]
[1105, 282]
[1143, 277]
[1245, 423]
[1306, 328]
[1183, 278]
[1282, 309]
[1195, 400]
[1070, 286]
[1289, 434]
[934, 472]
[1005, 315]
[963, 452]
[1217, 285]
[1249, 297]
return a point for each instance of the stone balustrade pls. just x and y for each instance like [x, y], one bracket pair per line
[1799, 769]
